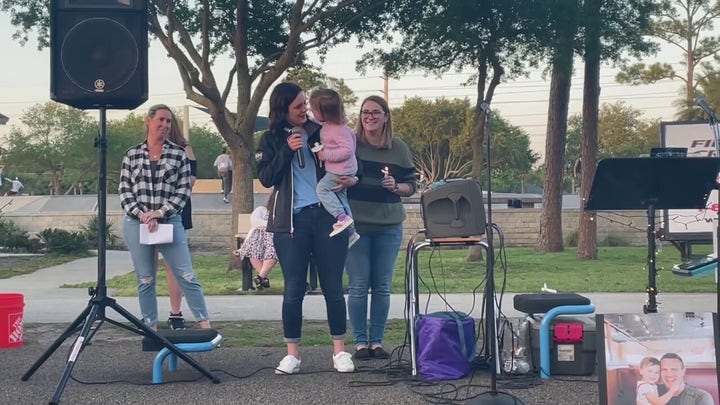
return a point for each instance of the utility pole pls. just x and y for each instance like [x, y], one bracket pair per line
[386, 89]
[186, 122]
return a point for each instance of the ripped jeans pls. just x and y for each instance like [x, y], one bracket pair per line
[177, 255]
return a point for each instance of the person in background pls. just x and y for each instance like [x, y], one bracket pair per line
[258, 247]
[337, 152]
[300, 225]
[388, 174]
[223, 162]
[154, 187]
[176, 319]
[16, 187]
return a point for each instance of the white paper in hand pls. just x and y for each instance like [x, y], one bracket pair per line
[164, 234]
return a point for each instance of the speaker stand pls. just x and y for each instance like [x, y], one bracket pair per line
[93, 316]
[493, 396]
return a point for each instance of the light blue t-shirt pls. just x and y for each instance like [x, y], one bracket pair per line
[304, 180]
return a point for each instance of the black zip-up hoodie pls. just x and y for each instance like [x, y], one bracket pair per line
[273, 158]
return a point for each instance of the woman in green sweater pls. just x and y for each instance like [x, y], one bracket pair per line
[388, 174]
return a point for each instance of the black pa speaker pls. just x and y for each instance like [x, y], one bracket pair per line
[98, 53]
[453, 208]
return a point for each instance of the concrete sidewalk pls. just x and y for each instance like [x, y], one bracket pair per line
[46, 302]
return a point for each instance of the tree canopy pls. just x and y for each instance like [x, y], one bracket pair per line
[264, 38]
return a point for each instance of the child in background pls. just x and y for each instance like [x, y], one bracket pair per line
[338, 154]
[646, 391]
[259, 247]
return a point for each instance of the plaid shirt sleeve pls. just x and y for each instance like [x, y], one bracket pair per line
[167, 191]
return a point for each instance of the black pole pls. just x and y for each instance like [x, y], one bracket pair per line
[651, 306]
[713, 121]
[493, 396]
[101, 144]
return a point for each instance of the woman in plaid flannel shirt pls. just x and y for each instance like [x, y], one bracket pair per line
[154, 187]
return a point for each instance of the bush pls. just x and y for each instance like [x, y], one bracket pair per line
[571, 240]
[90, 230]
[614, 240]
[63, 242]
[14, 239]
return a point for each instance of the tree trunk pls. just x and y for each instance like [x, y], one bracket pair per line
[550, 237]
[587, 228]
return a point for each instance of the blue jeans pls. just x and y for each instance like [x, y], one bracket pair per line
[370, 263]
[177, 254]
[334, 202]
[311, 237]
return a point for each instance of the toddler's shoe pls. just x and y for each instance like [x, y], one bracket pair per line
[341, 225]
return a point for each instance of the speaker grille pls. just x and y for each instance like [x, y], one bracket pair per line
[99, 63]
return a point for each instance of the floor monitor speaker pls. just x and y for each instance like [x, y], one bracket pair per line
[453, 208]
[98, 53]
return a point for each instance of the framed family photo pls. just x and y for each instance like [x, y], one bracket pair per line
[658, 358]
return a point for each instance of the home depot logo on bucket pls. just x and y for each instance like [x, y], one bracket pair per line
[11, 320]
[15, 323]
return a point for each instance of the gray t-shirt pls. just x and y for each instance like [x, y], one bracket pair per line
[689, 396]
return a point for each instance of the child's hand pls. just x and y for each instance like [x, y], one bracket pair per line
[321, 155]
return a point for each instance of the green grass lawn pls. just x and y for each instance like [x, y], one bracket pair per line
[618, 269]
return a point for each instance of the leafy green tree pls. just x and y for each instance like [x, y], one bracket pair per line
[438, 132]
[689, 26]
[485, 36]
[264, 37]
[564, 27]
[53, 142]
[311, 78]
[622, 133]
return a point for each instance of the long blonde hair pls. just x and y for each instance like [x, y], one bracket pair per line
[175, 134]
[387, 131]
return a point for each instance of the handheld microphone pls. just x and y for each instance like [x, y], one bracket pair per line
[300, 156]
[706, 107]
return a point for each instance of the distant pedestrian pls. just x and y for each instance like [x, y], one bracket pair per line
[16, 187]
[224, 167]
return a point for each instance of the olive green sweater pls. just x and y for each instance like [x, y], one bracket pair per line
[374, 207]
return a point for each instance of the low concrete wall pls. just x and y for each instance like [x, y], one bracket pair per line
[213, 229]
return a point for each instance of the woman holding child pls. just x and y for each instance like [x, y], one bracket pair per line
[300, 225]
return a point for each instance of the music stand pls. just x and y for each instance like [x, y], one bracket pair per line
[649, 184]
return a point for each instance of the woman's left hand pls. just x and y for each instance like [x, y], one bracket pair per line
[146, 217]
[344, 182]
[389, 183]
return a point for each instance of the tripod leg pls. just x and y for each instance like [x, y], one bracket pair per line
[149, 332]
[78, 346]
[59, 341]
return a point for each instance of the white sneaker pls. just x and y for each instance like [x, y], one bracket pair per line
[352, 239]
[288, 365]
[340, 226]
[343, 362]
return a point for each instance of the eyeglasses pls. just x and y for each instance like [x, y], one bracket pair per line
[372, 114]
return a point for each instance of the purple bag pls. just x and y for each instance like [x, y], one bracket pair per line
[445, 345]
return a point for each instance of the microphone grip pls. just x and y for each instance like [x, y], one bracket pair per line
[301, 157]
